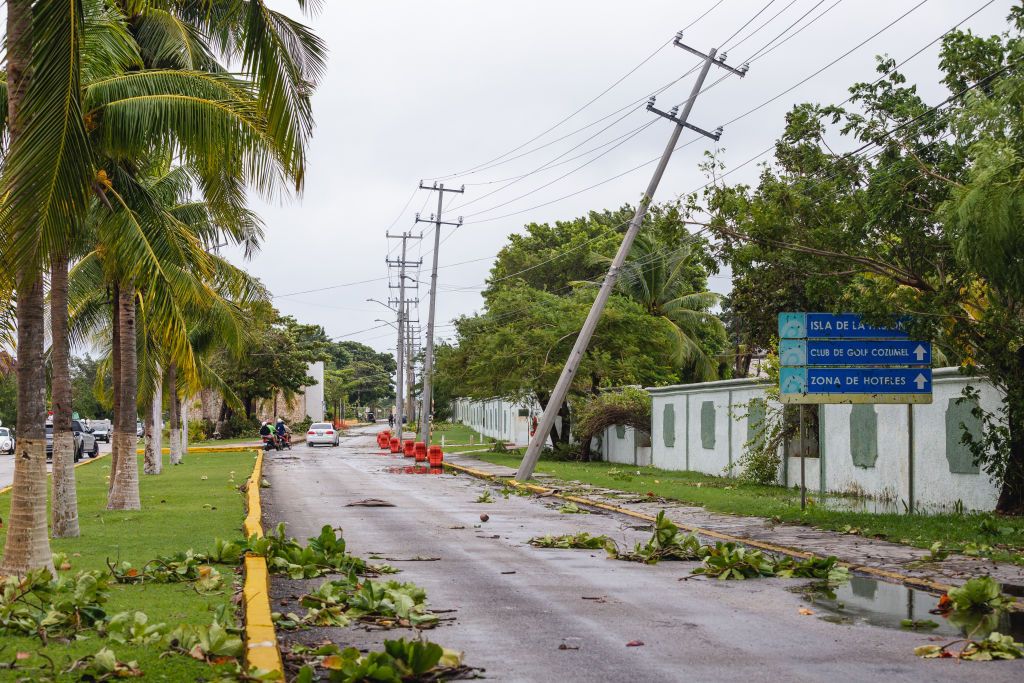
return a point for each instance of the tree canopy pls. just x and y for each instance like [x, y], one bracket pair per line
[922, 220]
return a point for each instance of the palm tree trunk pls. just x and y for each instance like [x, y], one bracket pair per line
[28, 546]
[174, 405]
[154, 458]
[115, 387]
[65, 496]
[124, 492]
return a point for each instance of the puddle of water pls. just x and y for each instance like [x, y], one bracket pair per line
[866, 600]
[413, 469]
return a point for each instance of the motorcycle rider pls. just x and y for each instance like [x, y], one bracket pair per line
[282, 431]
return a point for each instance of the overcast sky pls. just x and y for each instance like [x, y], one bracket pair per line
[425, 90]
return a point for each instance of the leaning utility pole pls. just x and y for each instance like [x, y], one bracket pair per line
[426, 412]
[400, 348]
[561, 389]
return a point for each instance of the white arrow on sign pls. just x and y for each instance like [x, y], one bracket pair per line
[919, 352]
[921, 381]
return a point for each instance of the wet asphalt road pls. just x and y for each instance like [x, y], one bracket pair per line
[515, 604]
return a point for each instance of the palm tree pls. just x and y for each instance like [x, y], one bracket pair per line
[241, 133]
[660, 278]
[64, 506]
[45, 180]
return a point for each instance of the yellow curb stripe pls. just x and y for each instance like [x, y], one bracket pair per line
[261, 646]
[240, 448]
[884, 574]
[253, 525]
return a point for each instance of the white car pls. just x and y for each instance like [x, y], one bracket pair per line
[322, 434]
[6, 441]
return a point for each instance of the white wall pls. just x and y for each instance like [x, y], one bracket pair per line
[315, 393]
[934, 484]
[498, 418]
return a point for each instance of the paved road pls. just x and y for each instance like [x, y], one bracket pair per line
[517, 604]
[7, 466]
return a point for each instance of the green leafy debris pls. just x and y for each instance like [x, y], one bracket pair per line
[384, 603]
[995, 646]
[582, 540]
[729, 561]
[667, 542]
[400, 661]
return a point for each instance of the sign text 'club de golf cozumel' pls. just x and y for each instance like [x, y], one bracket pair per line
[838, 358]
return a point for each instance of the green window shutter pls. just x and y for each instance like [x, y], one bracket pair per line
[620, 431]
[960, 412]
[756, 410]
[864, 436]
[668, 425]
[707, 424]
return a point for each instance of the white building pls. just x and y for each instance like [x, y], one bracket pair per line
[868, 450]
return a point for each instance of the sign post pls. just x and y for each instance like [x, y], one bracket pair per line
[827, 358]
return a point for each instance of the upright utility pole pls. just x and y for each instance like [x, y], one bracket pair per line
[410, 370]
[572, 364]
[427, 412]
[402, 313]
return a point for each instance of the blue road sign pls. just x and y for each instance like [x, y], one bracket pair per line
[834, 326]
[794, 352]
[855, 385]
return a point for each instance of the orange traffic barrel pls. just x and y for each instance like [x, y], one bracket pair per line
[420, 450]
[409, 448]
[436, 470]
[396, 445]
[435, 456]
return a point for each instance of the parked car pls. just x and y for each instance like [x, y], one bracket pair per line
[101, 430]
[90, 446]
[322, 434]
[7, 440]
[79, 440]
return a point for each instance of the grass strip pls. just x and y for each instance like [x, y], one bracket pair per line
[185, 507]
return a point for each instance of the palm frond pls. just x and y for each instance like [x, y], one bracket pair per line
[48, 170]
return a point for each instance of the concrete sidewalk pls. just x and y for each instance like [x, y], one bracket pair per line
[858, 551]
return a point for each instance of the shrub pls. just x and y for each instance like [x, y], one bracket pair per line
[629, 406]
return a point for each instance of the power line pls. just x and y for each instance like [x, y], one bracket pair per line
[734, 120]
[604, 92]
[748, 23]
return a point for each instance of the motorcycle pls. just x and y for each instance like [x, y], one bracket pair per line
[271, 441]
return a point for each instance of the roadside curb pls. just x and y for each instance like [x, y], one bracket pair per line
[883, 574]
[90, 461]
[261, 647]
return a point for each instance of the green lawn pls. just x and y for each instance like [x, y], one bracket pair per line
[185, 507]
[226, 442]
[459, 435]
[721, 494]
